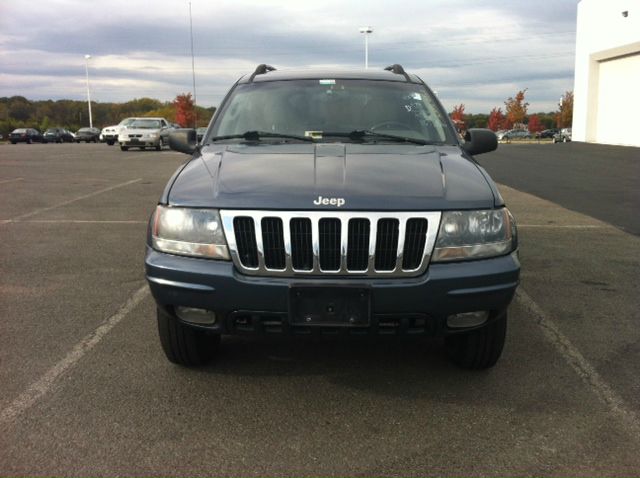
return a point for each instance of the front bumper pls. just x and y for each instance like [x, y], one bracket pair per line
[139, 142]
[417, 305]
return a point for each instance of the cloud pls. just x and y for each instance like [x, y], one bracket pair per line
[474, 53]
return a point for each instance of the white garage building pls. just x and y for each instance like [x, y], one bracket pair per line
[606, 106]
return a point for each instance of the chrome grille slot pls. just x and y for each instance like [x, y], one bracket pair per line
[414, 240]
[329, 229]
[386, 245]
[317, 243]
[273, 243]
[358, 245]
[301, 244]
[246, 240]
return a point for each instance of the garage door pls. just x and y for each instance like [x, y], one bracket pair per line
[619, 100]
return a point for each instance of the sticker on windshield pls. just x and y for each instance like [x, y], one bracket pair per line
[327, 82]
[416, 96]
[313, 134]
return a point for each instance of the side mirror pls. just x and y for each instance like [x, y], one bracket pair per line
[183, 140]
[480, 140]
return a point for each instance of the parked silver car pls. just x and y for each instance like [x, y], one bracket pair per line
[564, 136]
[145, 133]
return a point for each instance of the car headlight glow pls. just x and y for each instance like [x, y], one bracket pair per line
[467, 235]
[189, 232]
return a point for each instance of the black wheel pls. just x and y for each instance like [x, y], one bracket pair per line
[159, 145]
[78, 141]
[14, 142]
[124, 148]
[185, 345]
[110, 143]
[480, 348]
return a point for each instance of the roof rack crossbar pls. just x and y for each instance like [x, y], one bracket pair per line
[398, 70]
[261, 70]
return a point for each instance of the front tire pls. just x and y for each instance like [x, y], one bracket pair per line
[184, 345]
[480, 348]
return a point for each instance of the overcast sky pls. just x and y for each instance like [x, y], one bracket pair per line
[473, 52]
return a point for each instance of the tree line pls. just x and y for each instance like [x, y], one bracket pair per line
[20, 112]
[516, 115]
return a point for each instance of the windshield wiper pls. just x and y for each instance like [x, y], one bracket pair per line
[360, 134]
[257, 135]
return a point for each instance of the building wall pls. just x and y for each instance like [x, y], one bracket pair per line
[605, 37]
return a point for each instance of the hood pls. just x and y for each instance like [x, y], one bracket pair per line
[331, 176]
[140, 130]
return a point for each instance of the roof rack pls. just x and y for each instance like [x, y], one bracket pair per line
[261, 70]
[398, 70]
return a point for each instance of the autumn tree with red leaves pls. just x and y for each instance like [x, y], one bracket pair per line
[534, 124]
[516, 108]
[184, 110]
[457, 116]
[496, 119]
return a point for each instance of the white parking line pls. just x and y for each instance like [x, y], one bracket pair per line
[41, 386]
[11, 180]
[70, 201]
[580, 364]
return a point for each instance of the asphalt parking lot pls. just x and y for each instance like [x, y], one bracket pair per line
[86, 389]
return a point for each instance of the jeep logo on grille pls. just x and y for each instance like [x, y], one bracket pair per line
[339, 202]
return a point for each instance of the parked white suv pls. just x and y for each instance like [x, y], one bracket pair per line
[145, 133]
[109, 134]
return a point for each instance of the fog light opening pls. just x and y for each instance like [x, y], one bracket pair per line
[467, 319]
[195, 315]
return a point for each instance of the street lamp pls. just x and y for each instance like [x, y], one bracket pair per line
[366, 31]
[86, 64]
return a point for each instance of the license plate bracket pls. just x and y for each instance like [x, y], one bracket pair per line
[347, 306]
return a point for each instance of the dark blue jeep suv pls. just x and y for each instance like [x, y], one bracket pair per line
[332, 202]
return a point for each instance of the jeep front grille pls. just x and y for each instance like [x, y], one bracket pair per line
[303, 243]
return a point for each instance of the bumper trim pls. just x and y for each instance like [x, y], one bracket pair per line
[484, 290]
[181, 285]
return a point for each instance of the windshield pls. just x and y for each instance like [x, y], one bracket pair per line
[145, 124]
[126, 122]
[314, 107]
[85, 130]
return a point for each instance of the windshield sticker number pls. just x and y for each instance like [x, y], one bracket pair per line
[327, 82]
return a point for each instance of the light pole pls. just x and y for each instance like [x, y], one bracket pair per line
[86, 64]
[193, 71]
[366, 31]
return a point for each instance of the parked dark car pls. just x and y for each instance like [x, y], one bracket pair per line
[339, 203]
[58, 135]
[88, 135]
[547, 133]
[25, 135]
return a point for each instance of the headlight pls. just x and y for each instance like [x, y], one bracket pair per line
[152, 135]
[475, 235]
[189, 232]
